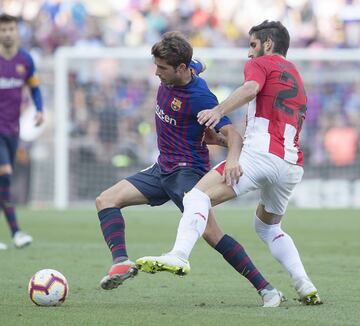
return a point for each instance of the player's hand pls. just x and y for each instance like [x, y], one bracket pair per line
[211, 137]
[232, 172]
[39, 119]
[209, 117]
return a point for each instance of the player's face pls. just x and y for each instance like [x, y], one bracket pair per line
[167, 74]
[256, 49]
[8, 34]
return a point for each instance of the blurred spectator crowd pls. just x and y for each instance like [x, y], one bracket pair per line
[120, 106]
[48, 24]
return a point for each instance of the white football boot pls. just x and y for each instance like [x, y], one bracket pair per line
[22, 239]
[3, 246]
[307, 292]
[167, 262]
[271, 298]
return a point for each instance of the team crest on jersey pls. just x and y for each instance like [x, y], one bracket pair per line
[20, 69]
[176, 104]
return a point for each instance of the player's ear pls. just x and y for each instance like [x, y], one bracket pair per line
[182, 67]
[268, 45]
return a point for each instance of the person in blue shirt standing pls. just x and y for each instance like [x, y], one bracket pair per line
[16, 71]
[183, 160]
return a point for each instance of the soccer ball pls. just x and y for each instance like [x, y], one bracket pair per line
[48, 287]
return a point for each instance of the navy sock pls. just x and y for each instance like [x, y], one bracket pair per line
[6, 204]
[113, 228]
[236, 256]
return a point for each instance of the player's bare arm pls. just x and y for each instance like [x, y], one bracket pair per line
[211, 137]
[233, 170]
[242, 95]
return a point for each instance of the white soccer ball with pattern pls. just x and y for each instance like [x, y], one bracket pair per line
[48, 287]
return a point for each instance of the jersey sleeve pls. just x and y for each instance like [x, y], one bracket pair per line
[255, 71]
[223, 122]
[197, 66]
[31, 79]
[205, 102]
[209, 103]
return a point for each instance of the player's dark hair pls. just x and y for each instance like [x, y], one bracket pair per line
[174, 49]
[5, 18]
[274, 31]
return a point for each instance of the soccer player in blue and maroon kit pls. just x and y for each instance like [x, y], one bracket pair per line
[16, 70]
[183, 160]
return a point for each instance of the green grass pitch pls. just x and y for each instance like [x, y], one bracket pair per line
[212, 294]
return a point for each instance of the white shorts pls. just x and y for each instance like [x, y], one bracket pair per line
[275, 178]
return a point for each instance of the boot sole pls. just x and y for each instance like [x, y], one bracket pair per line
[153, 267]
[115, 280]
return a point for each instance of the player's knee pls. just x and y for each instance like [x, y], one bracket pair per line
[261, 228]
[111, 198]
[5, 169]
[188, 198]
[98, 203]
[194, 196]
[103, 201]
[266, 232]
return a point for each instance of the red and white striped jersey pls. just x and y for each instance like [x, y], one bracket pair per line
[276, 115]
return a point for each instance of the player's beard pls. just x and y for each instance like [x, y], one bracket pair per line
[166, 83]
[261, 52]
[169, 82]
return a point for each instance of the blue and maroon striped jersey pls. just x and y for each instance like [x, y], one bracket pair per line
[179, 135]
[14, 74]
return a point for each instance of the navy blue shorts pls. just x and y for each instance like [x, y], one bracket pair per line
[8, 147]
[159, 187]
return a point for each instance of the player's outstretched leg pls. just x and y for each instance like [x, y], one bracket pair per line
[282, 248]
[235, 254]
[191, 227]
[168, 262]
[113, 229]
[179, 266]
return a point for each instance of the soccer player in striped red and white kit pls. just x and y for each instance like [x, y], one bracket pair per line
[16, 71]
[271, 158]
[183, 160]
